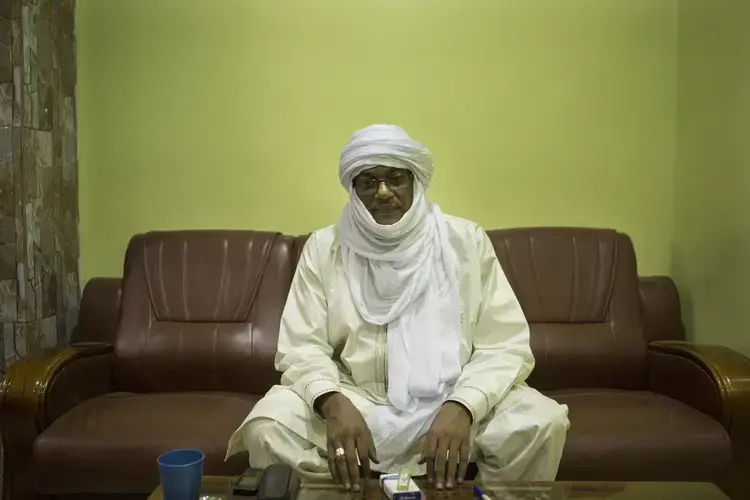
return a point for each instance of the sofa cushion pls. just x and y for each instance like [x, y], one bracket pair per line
[640, 436]
[110, 444]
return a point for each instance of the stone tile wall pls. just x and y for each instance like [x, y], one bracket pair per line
[38, 176]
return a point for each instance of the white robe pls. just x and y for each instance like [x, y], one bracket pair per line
[325, 346]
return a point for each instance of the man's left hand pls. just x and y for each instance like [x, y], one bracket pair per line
[446, 448]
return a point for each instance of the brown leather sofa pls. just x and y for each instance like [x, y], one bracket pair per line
[177, 352]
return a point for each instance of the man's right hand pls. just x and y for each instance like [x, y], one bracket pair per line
[347, 430]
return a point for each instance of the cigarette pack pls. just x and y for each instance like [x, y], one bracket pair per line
[400, 487]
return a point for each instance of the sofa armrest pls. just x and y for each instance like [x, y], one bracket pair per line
[662, 315]
[711, 378]
[715, 380]
[99, 311]
[38, 389]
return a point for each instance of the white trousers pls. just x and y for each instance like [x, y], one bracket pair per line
[521, 439]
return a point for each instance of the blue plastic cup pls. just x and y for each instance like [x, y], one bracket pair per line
[181, 472]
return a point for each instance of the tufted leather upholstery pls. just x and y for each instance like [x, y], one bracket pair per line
[197, 306]
[579, 292]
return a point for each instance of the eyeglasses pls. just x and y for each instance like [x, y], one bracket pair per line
[366, 185]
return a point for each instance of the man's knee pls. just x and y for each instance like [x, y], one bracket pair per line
[539, 419]
[269, 442]
[556, 422]
[548, 424]
[525, 444]
[259, 435]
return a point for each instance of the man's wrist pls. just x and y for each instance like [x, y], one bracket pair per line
[320, 405]
[463, 407]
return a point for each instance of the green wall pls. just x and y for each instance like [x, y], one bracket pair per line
[229, 113]
[711, 250]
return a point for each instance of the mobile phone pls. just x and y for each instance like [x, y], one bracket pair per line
[247, 483]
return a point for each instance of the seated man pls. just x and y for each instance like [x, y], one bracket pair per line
[402, 344]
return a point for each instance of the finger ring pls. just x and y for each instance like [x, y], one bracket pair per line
[340, 452]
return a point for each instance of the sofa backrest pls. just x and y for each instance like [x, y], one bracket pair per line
[201, 310]
[579, 291]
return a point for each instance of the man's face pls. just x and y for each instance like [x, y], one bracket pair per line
[386, 192]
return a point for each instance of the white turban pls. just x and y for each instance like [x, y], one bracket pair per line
[402, 275]
[386, 145]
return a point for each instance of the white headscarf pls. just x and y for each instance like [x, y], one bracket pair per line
[402, 275]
